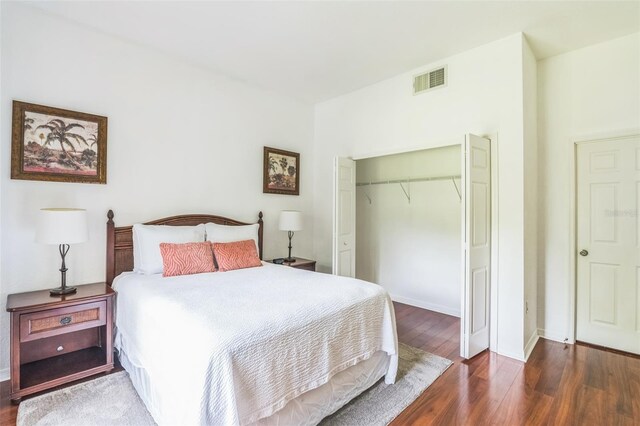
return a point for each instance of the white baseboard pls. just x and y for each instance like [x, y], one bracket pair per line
[426, 305]
[513, 355]
[556, 337]
[4, 374]
[531, 344]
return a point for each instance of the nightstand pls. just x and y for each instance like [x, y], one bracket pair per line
[55, 340]
[300, 263]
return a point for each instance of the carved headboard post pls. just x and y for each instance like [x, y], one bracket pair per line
[260, 226]
[111, 241]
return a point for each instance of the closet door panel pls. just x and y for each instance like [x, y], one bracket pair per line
[344, 244]
[476, 247]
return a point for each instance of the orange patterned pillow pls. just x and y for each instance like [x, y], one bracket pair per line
[186, 259]
[236, 255]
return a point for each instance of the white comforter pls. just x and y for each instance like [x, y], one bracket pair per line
[233, 347]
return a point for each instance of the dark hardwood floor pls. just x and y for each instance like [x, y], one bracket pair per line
[572, 385]
[559, 385]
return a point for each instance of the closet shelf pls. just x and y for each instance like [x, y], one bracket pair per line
[407, 191]
[424, 179]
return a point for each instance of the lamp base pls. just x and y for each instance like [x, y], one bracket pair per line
[290, 259]
[62, 290]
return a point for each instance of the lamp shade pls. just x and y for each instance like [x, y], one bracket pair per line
[62, 226]
[290, 220]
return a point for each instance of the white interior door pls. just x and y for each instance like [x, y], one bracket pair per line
[344, 218]
[474, 322]
[608, 243]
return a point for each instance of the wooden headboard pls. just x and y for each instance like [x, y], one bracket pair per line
[120, 239]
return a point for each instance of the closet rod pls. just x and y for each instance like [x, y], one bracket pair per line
[425, 179]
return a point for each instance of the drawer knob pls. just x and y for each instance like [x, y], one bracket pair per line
[60, 348]
[65, 320]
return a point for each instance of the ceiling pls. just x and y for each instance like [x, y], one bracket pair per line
[314, 51]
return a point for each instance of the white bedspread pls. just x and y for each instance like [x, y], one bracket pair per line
[232, 347]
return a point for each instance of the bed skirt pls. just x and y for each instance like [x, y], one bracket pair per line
[307, 409]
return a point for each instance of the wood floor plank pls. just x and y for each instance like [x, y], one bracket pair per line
[553, 358]
[592, 407]
[596, 377]
[499, 386]
[633, 374]
[523, 405]
[490, 367]
[8, 411]
[619, 381]
[565, 405]
[441, 396]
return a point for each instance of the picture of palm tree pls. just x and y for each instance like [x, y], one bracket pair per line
[65, 145]
[58, 145]
[281, 171]
[283, 176]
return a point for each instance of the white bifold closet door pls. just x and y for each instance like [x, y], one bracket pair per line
[344, 221]
[476, 247]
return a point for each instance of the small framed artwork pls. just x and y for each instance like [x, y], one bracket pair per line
[57, 145]
[281, 172]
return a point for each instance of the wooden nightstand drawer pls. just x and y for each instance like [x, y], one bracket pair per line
[56, 340]
[60, 344]
[53, 322]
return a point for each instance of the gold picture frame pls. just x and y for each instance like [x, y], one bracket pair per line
[281, 172]
[58, 145]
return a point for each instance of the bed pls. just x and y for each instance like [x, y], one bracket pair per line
[262, 345]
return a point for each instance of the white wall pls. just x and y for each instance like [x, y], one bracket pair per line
[529, 72]
[586, 92]
[181, 140]
[484, 96]
[413, 249]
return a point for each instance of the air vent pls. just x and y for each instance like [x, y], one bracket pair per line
[430, 80]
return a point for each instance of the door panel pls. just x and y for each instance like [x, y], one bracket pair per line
[608, 235]
[480, 299]
[638, 300]
[603, 202]
[345, 264]
[604, 161]
[345, 203]
[603, 293]
[638, 218]
[344, 244]
[480, 202]
[476, 246]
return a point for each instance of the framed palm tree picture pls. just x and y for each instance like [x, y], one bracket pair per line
[281, 172]
[58, 145]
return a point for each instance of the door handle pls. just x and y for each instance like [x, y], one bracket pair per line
[584, 253]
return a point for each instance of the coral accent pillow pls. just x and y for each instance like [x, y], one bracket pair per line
[186, 258]
[236, 255]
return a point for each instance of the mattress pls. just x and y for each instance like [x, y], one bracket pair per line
[240, 346]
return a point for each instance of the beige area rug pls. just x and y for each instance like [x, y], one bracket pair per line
[112, 400]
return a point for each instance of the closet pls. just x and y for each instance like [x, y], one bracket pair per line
[419, 223]
[408, 226]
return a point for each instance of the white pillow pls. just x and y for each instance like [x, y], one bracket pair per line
[231, 233]
[146, 244]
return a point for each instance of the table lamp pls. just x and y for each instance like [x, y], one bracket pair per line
[290, 221]
[62, 227]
